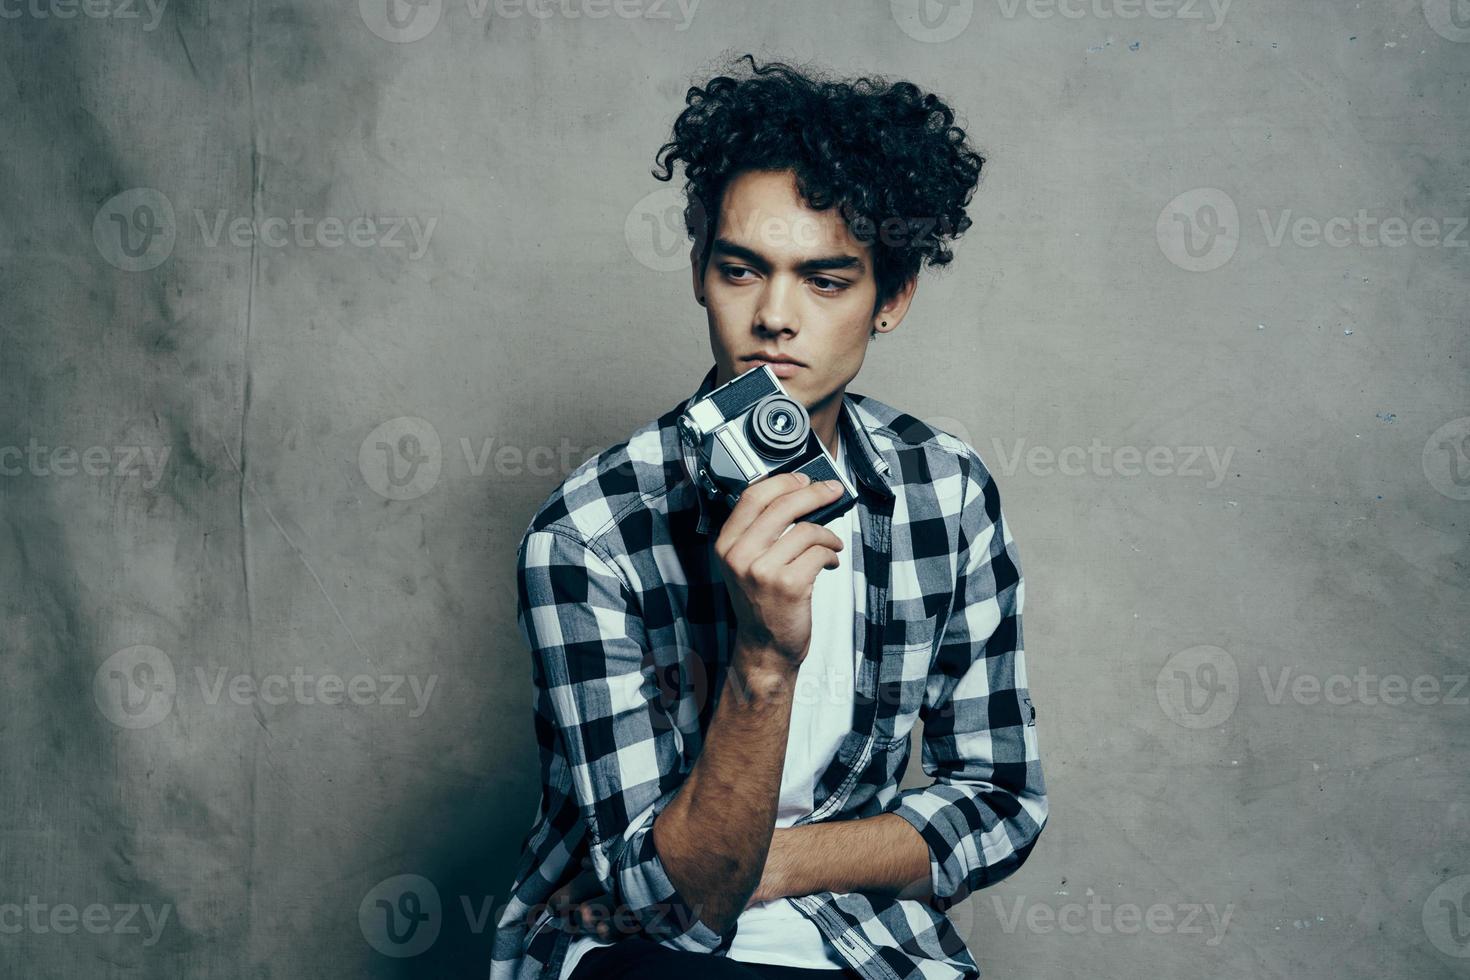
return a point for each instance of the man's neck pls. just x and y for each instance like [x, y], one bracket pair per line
[823, 418]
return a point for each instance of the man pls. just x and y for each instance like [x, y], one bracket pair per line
[724, 698]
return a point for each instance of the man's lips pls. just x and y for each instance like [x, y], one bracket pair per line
[781, 369]
[773, 359]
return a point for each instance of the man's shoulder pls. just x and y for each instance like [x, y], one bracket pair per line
[606, 488]
[942, 449]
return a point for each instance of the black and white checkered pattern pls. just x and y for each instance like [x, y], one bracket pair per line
[630, 629]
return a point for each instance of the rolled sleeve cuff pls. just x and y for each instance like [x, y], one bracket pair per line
[644, 889]
[936, 813]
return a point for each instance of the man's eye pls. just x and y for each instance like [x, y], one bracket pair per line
[836, 286]
[730, 271]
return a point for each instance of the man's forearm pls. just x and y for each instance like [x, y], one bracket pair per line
[714, 834]
[882, 854]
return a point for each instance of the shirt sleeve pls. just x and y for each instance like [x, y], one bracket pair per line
[986, 807]
[594, 683]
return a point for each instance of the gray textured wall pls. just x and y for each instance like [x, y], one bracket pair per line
[1236, 455]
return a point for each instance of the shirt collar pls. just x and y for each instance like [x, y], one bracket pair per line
[867, 462]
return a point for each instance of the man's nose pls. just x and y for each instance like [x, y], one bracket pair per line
[774, 314]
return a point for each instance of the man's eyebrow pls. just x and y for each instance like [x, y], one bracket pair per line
[818, 264]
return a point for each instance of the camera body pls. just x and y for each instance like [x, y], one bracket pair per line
[749, 428]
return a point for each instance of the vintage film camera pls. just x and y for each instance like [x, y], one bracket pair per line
[749, 428]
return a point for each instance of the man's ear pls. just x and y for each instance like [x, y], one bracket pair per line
[696, 273]
[891, 313]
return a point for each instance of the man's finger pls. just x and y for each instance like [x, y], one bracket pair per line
[801, 536]
[594, 917]
[809, 564]
[773, 521]
[580, 888]
[754, 499]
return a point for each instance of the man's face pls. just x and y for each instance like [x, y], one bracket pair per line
[784, 279]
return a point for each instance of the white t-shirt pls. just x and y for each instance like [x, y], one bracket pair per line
[821, 714]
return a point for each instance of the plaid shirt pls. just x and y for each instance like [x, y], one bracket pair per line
[630, 629]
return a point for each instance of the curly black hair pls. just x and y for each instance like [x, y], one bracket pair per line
[886, 154]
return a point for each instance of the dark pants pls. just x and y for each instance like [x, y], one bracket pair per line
[640, 958]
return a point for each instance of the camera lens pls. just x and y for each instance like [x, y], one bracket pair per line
[778, 426]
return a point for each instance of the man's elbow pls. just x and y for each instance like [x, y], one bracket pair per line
[644, 890]
[993, 856]
[713, 887]
[978, 833]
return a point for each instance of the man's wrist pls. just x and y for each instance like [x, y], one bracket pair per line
[882, 854]
[776, 864]
[761, 671]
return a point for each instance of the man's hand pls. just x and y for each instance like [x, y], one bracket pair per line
[582, 906]
[770, 563]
